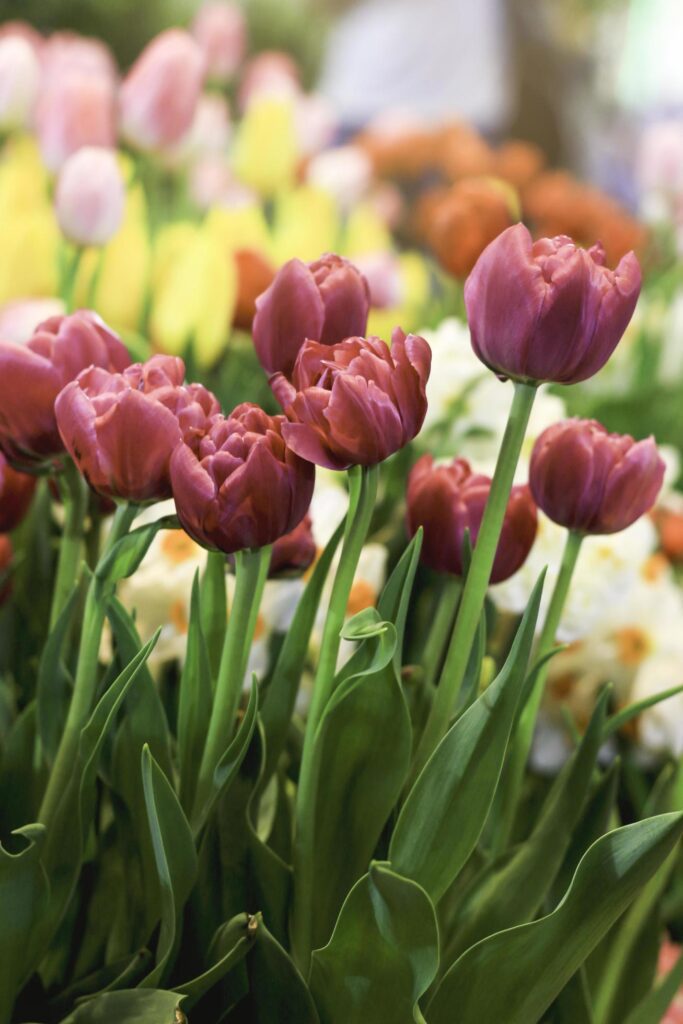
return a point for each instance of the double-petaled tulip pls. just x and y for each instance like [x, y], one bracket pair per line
[159, 95]
[295, 552]
[591, 481]
[220, 30]
[32, 375]
[241, 486]
[16, 491]
[548, 310]
[90, 196]
[121, 428]
[357, 402]
[75, 109]
[325, 301]
[448, 501]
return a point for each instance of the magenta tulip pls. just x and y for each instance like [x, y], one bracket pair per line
[325, 301]
[16, 492]
[548, 310]
[449, 500]
[357, 402]
[241, 486]
[121, 428]
[591, 481]
[32, 375]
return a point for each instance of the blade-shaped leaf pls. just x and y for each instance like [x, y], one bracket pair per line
[52, 684]
[445, 811]
[394, 600]
[515, 975]
[194, 703]
[231, 944]
[383, 954]
[127, 554]
[652, 1009]
[134, 1006]
[277, 992]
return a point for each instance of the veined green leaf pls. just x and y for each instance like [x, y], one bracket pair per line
[515, 974]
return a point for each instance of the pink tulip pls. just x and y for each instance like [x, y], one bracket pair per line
[221, 32]
[75, 109]
[19, 82]
[90, 196]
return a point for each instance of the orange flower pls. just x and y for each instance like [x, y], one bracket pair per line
[519, 162]
[471, 215]
[254, 275]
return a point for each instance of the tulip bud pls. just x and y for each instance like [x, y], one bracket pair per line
[32, 375]
[121, 428]
[69, 51]
[357, 402]
[449, 500]
[327, 301]
[295, 552]
[90, 196]
[19, 82]
[591, 481]
[160, 93]
[547, 310]
[220, 30]
[271, 73]
[471, 214]
[16, 492]
[241, 486]
[75, 109]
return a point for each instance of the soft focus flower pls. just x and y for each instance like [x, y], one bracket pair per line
[547, 310]
[160, 93]
[315, 121]
[305, 223]
[240, 486]
[660, 727]
[519, 162]
[270, 73]
[345, 172]
[121, 428]
[70, 51]
[32, 375]
[266, 147]
[254, 275]
[668, 955]
[90, 196]
[75, 109]
[16, 492]
[221, 32]
[470, 215]
[19, 82]
[591, 481]
[449, 500]
[326, 301]
[295, 551]
[356, 402]
[19, 319]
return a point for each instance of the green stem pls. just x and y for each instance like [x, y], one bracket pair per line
[214, 609]
[478, 576]
[251, 571]
[85, 684]
[74, 493]
[441, 628]
[362, 494]
[68, 288]
[524, 733]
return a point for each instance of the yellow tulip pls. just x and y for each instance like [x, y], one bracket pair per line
[266, 152]
[365, 232]
[24, 181]
[306, 224]
[28, 255]
[240, 227]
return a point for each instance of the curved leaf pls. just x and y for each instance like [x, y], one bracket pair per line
[194, 702]
[134, 1006]
[231, 944]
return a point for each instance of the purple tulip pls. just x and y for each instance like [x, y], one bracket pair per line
[591, 481]
[325, 301]
[357, 402]
[240, 486]
[16, 494]
[121, 428]
[548, 310]
[448, 500]
[32, 375]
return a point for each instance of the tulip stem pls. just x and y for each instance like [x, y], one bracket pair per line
[476, 584]
[524, 732]
[85, 684]
[214, 608]
[362, 494]
[74, 494]
[251, 571]
[69, 279]
[441, 628]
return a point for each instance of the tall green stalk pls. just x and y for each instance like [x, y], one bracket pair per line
[85, 683]
[478, 576]
[74, 492]
[362, 494]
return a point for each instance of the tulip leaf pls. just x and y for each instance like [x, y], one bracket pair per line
[134, 1006]
[54, 682]
[513, 890]
[230, 945]
[652, 1008]
[631, 711]
[194, 702]
[573, 1004]
[280, 696]
[446, 809]
[128, 552]
[362, 750]
[383, 954]
[395, 597]
[516, 974]
[66, 838]
[20, 782]
[175, 857]
[24, 896]
[277, 992]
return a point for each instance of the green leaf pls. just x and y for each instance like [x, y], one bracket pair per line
[280, 697]
[445, 811]
[362, 750]
[573, 1004]
[194, 703]
[394, 600]
[54, 682]
[383, 954]
[277, 992]
[133, 1006]
[515, 975]
[21, 784]
[620, 719]
[514, 888]
[127, 554]
[231, 944]
[653, 1007]
[175, 857]
[24, 894]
